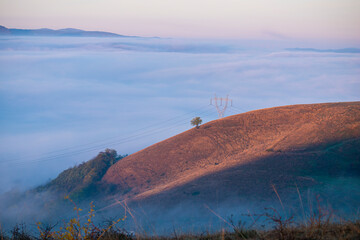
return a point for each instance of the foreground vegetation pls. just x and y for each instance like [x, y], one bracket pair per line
[345, 230]
[319, 225]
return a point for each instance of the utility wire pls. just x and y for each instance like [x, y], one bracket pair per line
[108, 143]
[107, 139]
[90, 150]
[239, 109]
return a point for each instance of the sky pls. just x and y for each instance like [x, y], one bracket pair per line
[330, 20]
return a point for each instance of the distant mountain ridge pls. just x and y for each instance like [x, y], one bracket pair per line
[46, 32]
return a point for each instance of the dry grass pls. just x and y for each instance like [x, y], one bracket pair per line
[346, 230]
[320, 223]
[317, 226]
[225, 145]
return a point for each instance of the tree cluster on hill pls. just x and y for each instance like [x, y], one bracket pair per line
[83, 180]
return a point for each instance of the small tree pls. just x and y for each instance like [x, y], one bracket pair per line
[196, 121]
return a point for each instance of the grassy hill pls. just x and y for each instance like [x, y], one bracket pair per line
[240, 164]
[244, 156]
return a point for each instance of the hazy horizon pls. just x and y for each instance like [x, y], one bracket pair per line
[322, 20]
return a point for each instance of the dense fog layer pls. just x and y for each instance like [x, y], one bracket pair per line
[62, 100]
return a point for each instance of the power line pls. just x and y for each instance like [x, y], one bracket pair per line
[107, 139]
[239, 109]
[97, 148]
[106, 144]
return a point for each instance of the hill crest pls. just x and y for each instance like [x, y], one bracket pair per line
[289, 132]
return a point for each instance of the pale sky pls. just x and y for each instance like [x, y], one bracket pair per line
[261, 19]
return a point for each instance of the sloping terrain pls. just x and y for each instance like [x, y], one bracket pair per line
[83, 180]
[244, 155]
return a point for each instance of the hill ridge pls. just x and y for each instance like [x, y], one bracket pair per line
[232, 142]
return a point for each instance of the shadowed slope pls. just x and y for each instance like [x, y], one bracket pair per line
[81, 181]
[244, 153]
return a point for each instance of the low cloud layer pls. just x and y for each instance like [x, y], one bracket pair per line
[62, 100]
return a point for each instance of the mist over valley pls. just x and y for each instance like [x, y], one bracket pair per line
[106, 119]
